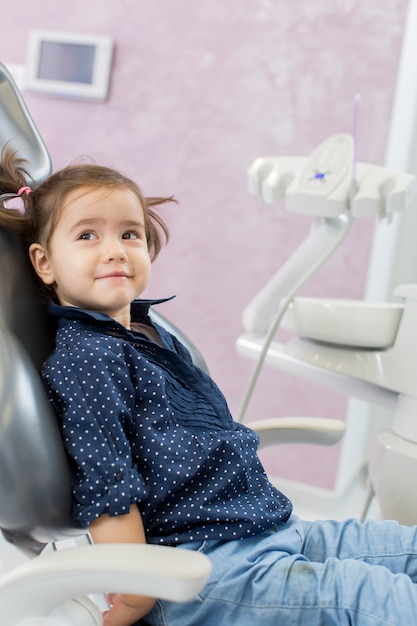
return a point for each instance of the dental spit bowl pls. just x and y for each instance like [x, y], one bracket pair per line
[353, 323]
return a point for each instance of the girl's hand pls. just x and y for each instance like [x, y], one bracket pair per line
[126, 609]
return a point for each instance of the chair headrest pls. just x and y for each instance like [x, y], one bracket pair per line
[18, 127]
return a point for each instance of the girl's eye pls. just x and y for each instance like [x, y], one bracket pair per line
[130, 234]
[87, 236]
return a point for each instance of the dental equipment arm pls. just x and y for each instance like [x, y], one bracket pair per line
[321, 186]
[333, 189]
[325, 236]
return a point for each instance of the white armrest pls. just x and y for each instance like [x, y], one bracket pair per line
[309, 430]
[38, 586]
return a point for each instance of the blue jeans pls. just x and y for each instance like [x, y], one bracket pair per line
[317, 573]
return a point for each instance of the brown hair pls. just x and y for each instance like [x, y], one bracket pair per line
[43, 205]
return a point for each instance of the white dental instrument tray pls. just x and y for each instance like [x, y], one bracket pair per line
[347, 322]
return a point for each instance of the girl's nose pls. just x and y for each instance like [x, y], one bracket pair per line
[116, 251]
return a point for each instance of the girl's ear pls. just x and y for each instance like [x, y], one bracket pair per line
[40, 261]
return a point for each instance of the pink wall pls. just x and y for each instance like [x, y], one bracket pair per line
[199, 89]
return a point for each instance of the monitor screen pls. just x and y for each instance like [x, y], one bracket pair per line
[69, 65]
[66, 61]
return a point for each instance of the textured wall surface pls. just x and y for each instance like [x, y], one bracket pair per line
[199, 89]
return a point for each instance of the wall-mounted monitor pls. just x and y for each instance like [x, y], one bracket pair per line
[69, 65]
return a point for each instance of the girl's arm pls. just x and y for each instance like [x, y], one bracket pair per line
[126, 609]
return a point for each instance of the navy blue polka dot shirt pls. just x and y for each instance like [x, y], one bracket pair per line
[141, 424]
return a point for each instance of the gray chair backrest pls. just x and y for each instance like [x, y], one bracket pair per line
[35, 491]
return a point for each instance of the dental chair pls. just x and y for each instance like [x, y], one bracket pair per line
[50, 587]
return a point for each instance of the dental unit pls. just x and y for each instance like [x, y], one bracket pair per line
[363, 349]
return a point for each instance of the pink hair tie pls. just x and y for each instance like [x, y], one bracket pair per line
[24, 190]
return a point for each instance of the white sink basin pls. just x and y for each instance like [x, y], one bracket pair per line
[346, 322]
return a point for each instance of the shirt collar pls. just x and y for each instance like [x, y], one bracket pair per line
[139, 311]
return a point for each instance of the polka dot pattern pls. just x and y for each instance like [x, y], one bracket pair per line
[141, 424]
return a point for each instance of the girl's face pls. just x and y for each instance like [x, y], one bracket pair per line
[98, 257]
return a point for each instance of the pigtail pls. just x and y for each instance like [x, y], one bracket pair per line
[156, 225]
[13, 185]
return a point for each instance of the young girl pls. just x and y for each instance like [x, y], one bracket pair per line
[154, 452]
